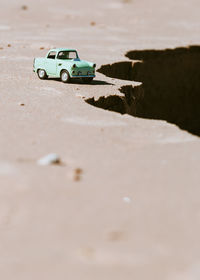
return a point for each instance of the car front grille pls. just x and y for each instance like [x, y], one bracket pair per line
[84, 70]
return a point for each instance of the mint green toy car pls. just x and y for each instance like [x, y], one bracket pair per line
[64, 64]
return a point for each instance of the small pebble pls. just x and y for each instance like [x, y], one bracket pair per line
[77, 174]
[78, 171]
[88, 252]
[24, 7]
[115, 235]
[1, 48]
[49, 159]
[41, 48]
[9, 45]
[127, 199]
[21, 104]
[92, 23]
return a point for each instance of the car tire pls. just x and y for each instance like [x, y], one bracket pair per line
[87, 80]
[42, 74]
[64, 76]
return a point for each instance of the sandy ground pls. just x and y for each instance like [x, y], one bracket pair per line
[133, 212]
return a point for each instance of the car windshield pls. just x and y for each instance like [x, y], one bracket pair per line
[67, 55]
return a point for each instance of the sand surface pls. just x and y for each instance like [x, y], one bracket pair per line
[124, 202]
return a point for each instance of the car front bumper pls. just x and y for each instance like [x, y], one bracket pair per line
[83, 76]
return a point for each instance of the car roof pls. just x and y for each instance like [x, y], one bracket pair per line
[62, 49]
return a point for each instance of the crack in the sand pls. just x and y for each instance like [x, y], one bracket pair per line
[170, 88]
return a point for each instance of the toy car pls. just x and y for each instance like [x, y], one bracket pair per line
[64, 64]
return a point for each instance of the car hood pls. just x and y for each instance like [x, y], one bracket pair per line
[80, 63]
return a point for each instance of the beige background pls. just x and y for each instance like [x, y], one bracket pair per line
[55, 227]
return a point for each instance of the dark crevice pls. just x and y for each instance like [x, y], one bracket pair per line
[170, 88]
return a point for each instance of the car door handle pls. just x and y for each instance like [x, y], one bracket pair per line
[59, 64]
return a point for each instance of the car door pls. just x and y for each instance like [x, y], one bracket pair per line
[51, 65]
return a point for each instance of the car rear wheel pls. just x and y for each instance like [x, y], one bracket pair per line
[87, 80]
[42, 74]
[64, 76]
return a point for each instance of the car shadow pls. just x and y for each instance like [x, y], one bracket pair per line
[78, 81]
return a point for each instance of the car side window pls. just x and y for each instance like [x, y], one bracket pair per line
[52, 55]
[62, 55]
[67, 55]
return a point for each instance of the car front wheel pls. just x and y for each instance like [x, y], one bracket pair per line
[42, 74]
[65, 78]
